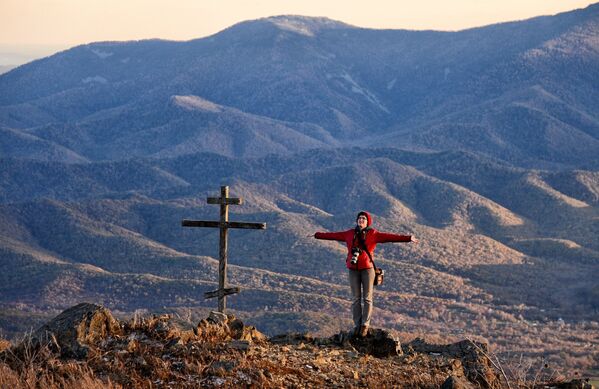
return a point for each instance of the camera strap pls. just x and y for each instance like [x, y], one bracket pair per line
[362, 243]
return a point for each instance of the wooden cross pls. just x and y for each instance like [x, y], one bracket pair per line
[224, 224]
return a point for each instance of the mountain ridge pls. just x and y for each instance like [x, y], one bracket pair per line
[343, 85]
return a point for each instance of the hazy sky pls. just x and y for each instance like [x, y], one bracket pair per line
[65, 23]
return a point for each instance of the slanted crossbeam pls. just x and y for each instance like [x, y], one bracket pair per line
[221, 292]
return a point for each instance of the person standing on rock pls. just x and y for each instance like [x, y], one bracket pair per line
[361, 242]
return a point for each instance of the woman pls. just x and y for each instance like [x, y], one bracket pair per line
[361, 271]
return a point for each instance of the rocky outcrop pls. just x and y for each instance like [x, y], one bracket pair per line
[221, 351]
[73, 331]
[378, 343]
[471, 367]
[473, 355]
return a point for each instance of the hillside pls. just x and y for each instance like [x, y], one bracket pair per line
[110, 232]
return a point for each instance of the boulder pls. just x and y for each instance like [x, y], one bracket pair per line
[240, 331]
[72, 332]
[473, 355]
[218, 317]
[378, 343]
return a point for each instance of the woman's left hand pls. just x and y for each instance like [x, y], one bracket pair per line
[414, 240]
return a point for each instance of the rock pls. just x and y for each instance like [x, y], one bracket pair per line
[217, 317]
[224, 365]
[213, 328]
[243, 332]
[473, 355]
[342, 339]
[378, 343]
[574, 384]
[457, 382]
[76, 329]
[293, 338]
[236, 326]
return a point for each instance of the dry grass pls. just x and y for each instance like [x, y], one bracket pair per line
[31, 366]
[156, 352]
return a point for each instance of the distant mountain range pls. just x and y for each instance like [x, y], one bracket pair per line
[524, 92]
[484, 143]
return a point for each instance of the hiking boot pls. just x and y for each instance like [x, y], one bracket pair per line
[363, 331]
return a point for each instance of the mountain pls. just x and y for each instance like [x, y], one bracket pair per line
[18, 144]
[289, 83]
[483, 143]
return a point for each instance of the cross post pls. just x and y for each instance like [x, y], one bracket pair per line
[223, 224]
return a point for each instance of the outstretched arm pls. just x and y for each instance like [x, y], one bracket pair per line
[383, 237]
[340, 236]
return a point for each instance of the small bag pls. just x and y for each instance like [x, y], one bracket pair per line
[379, 276]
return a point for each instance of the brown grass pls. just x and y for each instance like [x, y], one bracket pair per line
[155, 352]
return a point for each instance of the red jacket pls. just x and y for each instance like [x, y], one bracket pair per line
[371, 238]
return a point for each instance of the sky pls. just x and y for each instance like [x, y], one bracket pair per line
[40, 27]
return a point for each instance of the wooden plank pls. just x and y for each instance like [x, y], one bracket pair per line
[222, 262]
[200, 223]
[223, 292]
[228, 201]
[253, 226]
[215, 224]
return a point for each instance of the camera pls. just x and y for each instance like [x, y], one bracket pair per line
[355, 253]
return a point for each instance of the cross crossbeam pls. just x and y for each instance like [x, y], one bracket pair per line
[221, 292]
[223, 225]
[228, 201]
[214, 224]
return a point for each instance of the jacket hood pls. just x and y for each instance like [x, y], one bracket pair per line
[368, 217]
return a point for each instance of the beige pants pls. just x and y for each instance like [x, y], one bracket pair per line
[361, 283]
